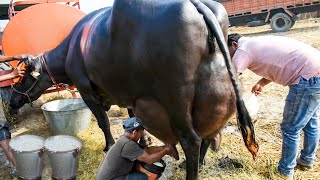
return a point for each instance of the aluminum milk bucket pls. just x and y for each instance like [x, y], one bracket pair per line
[63, 152]
[28, 152]
[67, 116]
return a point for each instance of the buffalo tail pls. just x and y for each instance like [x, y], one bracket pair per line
[244, 120]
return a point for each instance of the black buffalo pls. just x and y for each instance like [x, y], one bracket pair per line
[167, 59]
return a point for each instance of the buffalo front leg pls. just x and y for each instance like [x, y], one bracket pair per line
[103, 122]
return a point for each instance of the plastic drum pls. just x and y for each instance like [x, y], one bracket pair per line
[153, 171]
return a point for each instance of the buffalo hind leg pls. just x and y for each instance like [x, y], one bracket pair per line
[205, 143]
[181, 123]
[190, 144]
[203, 150]
[189, 141]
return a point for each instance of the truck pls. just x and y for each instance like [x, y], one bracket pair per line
[280, 14]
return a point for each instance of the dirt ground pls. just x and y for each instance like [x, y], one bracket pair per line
[232, 161]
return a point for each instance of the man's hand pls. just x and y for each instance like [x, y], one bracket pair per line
[17, 72]
[257, 89]
[168, 150]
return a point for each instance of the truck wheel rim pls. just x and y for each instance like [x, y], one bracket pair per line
[281, 22]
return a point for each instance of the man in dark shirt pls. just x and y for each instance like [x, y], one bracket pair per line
[119, 162]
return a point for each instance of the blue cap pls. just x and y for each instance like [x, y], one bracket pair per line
[132, 124]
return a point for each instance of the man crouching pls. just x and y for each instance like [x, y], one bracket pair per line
[120, 159]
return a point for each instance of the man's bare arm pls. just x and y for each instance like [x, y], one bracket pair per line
[257, 89]
[6, 58]
[11, 58]
[152, 158]
[153, 149]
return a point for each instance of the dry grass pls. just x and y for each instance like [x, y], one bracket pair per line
[266, 127]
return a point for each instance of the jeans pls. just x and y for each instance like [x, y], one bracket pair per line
[300, 113]
[137, 176]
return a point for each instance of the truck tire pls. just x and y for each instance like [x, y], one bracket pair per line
[293, 22]
[281, 22]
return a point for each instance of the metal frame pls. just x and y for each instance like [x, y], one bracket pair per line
[13, 10]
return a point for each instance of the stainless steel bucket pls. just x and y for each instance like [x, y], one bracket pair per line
[63, 152]
[28, 152]
[67, 116]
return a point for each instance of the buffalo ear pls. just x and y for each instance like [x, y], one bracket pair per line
[34, 65]
[29, 61]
